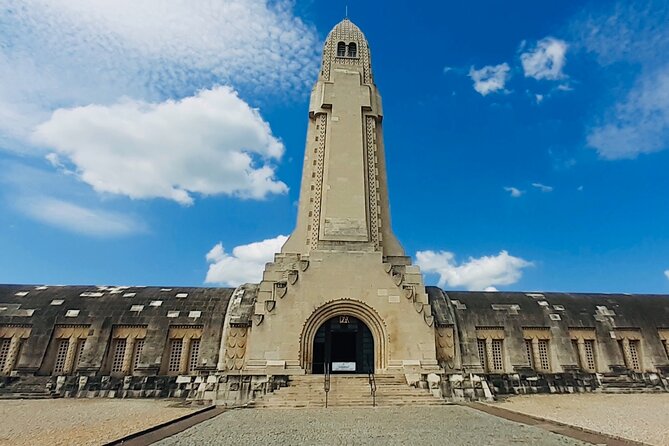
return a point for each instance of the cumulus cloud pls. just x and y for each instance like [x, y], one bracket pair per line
[515, 193]
[476, 273]
[542, 187]
[210, 143]
[545, 60]
[666, 273]
[634, 37]
[637, 124]
[76, 52]
[244, 265]
[79, 219]
[490, 79]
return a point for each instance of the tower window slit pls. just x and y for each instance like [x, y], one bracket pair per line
[61, 355]
[341, 49]
[352, 50]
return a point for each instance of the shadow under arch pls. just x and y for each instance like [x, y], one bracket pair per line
[344, 307]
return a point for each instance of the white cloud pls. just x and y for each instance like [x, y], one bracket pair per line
[629, 37]
[79, 219]
[63, 53]
[244, 265]
[666, 273]
[210, 143]
[539, 98]
[491, 289]
[475, 274]
[490, 79]
[546, 60]
[637, 124]
[515, 193]
[542, 187]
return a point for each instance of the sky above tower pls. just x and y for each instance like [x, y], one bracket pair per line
[161, 143]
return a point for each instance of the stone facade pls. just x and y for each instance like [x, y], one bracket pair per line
[342, 268]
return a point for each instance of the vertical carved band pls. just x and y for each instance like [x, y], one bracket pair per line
[372, 180]
[317, 182]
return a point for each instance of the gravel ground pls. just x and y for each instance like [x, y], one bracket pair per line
[436, 425]
[79, 421]
[637, 417]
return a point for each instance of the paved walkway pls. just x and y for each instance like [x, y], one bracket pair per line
[359, 426]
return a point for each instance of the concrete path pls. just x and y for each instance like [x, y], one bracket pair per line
[438, 425]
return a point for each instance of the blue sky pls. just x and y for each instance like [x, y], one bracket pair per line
[161, 142]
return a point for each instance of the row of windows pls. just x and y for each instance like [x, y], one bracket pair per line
[350, 50]
[538, 356]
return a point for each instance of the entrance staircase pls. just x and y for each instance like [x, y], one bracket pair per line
[28, 388]
[617, 383]
[306, 391]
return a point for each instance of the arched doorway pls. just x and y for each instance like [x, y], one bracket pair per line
[345, 344]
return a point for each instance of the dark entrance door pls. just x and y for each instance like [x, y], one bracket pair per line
[345, 344]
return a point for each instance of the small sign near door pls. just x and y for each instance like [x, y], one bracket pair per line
[343, 366]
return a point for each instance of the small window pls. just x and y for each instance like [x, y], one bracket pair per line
[139, 346]
[482, 356]
[81, 343]
[543, 355]
[4, 352]
[61, 355]
[590, 354]
[352, 50]
[174, 363]
[341, 49]
[497, 361]
[194, 354]
[634, 356]
[119, 355]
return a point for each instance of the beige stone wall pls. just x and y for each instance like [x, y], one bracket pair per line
[343, 283]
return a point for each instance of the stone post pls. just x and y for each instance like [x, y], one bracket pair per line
[128, 355]
[490, 363]
[535, 354]
[185, 355]
[71, 354]
[582, 357]
[626, 353]
[12, 354]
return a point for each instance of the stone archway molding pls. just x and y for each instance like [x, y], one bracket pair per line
[345, 307]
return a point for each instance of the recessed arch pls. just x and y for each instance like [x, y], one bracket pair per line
[344, 307]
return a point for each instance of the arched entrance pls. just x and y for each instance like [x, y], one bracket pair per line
[344, 307]
[345, 344]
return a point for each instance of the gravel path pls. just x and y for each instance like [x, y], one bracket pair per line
[639, 417]
[436, 425]
[79, 421]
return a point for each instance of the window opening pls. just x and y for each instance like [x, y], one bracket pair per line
[194, 354]
[139, 346]
[497, 362]
[352, 50]
[341, 49]
[119, 354]
[543, 354]
[4, 352]
[482, 356]
[590, 354]
[175, 355]
[61, 355]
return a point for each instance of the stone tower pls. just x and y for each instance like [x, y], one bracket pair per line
[342, 292]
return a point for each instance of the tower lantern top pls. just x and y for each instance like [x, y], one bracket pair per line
[346, 45]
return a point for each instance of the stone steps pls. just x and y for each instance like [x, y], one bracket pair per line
[347, 391]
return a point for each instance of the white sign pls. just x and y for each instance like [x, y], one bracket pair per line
[343, 366]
